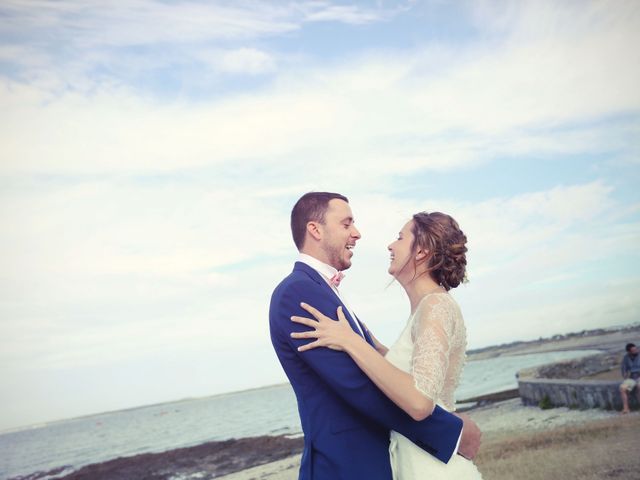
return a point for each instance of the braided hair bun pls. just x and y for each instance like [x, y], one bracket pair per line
[440, 235]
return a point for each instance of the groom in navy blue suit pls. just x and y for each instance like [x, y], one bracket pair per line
[345, 418]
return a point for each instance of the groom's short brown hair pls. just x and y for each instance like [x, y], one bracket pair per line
[311, 207]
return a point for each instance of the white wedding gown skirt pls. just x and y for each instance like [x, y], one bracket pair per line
[410, 462]
[432, 349]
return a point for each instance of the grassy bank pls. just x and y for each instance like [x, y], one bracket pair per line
[593, 451]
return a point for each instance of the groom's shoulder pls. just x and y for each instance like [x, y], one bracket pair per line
[298, 280]
[295, 278]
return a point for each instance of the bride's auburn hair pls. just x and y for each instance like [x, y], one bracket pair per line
[440, 235]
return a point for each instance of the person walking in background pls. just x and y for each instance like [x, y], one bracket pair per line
[630, 370]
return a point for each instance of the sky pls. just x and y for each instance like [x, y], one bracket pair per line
[151, 151]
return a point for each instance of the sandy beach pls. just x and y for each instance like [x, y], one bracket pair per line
[499, 420]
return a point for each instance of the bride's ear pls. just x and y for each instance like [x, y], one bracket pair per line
[421, 255]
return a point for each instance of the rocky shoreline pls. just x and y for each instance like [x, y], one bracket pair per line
[204, 462]
[255, 457]
[610, 340]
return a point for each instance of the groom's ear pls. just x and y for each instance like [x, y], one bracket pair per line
[313, 229]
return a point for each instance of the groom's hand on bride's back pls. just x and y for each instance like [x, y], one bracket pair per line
[470, 441]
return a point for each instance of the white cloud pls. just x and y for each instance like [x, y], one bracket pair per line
[531, 259]
[94, 296]
[136, 226]
[247, 60]
[349, 14]
[28, 57]
[146, 22]
[250, 61]
[524, 97]
[89, 47]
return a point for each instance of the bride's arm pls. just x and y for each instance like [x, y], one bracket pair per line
[396, 384]
[400, 387]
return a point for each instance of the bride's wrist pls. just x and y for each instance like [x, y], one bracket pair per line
[351, 342]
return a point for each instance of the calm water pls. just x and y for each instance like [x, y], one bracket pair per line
[266, 411]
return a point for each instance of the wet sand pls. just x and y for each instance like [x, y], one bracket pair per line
[206, 461]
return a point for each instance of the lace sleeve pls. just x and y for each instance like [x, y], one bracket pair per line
[432, 332]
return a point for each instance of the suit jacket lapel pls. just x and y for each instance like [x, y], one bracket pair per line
[367, 336]
[319, 280]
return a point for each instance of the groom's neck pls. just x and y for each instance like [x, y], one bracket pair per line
[317, 254]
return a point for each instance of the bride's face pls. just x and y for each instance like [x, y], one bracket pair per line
[401, 255]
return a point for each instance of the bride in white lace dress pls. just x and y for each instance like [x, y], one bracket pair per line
[431, 348]
[424, 365]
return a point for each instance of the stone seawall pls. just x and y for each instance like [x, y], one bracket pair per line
[563, 384]
[573, 393]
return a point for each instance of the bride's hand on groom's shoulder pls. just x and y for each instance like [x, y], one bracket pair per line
[330, 333]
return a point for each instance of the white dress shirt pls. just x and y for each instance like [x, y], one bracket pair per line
[327, 272]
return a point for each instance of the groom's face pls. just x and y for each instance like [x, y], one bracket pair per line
[339, 234]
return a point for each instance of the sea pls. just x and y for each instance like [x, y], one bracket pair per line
[272, 410]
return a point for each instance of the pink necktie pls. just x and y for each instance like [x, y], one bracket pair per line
[336, 279]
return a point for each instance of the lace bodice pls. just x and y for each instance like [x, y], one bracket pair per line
[432, 348]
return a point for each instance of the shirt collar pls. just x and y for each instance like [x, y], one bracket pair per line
[322, 268]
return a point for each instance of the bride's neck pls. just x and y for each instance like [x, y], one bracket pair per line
[419, 287]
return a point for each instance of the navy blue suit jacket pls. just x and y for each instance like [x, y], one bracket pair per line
[345, 418]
